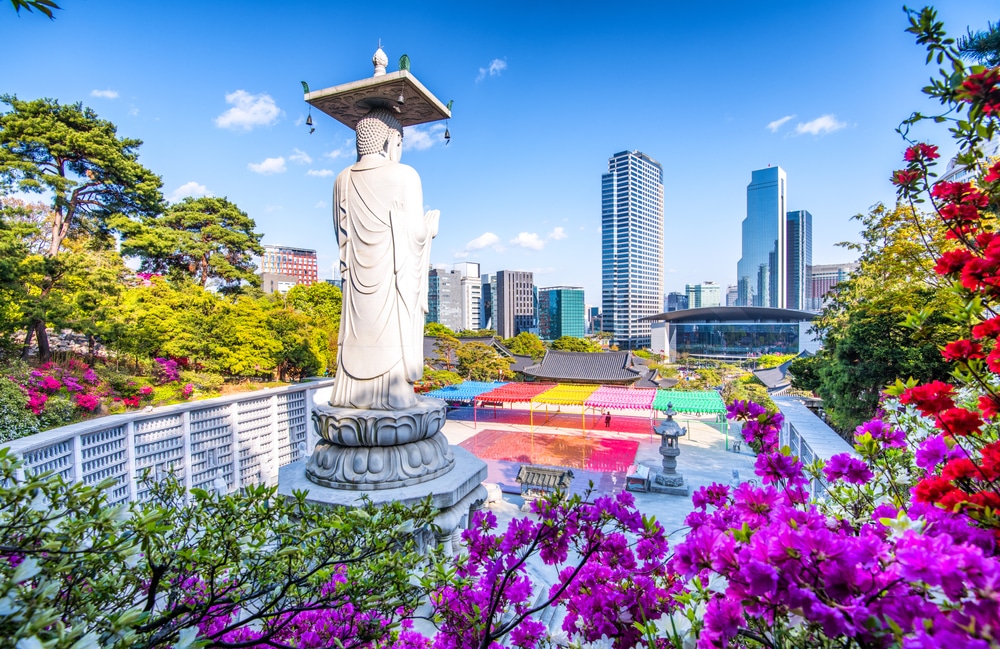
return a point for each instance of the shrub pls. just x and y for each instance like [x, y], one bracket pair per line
[202, 381]
[58, 411]
[15, 419]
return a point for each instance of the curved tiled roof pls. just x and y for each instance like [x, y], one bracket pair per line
[590, 367]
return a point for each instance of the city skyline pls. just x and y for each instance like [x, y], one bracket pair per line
[542, 96]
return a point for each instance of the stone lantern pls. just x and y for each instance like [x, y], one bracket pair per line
[668, 480]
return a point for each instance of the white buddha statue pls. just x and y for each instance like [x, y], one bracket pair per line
[385, 241]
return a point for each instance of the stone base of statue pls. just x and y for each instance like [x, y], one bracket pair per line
[379, 449]
[456, 494]
[667, 483]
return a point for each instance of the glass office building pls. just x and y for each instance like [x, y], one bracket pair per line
[733, 333]
[560, 312]
[631, 247]
[761, 271]
[798, 236]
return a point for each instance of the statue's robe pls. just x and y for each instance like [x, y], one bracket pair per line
[384, 243]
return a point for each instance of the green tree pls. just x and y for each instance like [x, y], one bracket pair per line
[243, 345]
[526, 344]
[479, 362]
[185, 564]
[436, 330]
[982, 46]
[446, 347]
[160, 318]
[93, 175]
[203, 238]
[867, 329]
[322, 302]
[572, 344]
[304, 348]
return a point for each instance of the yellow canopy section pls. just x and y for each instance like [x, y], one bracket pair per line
[566, 395]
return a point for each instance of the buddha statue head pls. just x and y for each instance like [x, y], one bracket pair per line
[380, 133]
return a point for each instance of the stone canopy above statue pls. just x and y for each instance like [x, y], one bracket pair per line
[349, 102]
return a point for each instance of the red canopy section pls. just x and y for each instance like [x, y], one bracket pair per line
[514, 393]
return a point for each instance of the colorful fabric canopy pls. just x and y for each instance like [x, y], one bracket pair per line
[466, 391]
[704, 401]
[514, 392]
[608, 396]
[566, 394]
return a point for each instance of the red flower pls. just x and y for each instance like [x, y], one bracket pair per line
[987, 329]
[959, 469]
[921, 151]
[929, 398]
[962, 350]
[993, 175]
[959, 421]
[983, 89]
[952, 261]
[905, 177]
[932, 489]
[989, 405]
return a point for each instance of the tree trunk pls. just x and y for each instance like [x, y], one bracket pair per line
[44, 353]
[90, 349]
[28, 335]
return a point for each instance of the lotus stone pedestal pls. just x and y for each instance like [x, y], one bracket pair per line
[390, 456]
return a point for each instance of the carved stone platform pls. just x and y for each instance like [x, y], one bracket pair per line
[456, 493]
[672, 485]
[366, 450]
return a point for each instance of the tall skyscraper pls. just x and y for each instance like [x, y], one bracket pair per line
[487, 314]
[631, 247]
[515, 303]
[472, 294]
[702, 295]
[675, 301]
[760, 273]
[444, 298]
[732, 294]
[560, 312]
[824, 279]
[799, 241]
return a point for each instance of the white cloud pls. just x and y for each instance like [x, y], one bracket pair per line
[133, 112]
[461, 254]
[269, 166]
[820, 126]
[248, 111]
[778, 123]
[558, 233]
[320, 173]
[320, 205]
[485, 240]
[192, 189]
[416, 138]
[300, 156]
[494, 69]
[346, 149]
[528, 240]
[104, 94]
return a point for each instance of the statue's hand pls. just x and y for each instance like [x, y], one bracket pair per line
[432, 218]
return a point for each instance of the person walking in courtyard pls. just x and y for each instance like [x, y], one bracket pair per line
[607, 419]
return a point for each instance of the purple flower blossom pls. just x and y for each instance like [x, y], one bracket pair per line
[848, 468]
[879, 430]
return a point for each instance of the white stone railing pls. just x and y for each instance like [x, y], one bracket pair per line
[242, 439]
[808, 436]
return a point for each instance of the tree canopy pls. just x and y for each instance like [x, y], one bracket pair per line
[204, 238]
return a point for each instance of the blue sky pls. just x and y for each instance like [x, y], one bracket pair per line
[544, 93]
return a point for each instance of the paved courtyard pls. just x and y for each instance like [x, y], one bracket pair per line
[704, 460]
